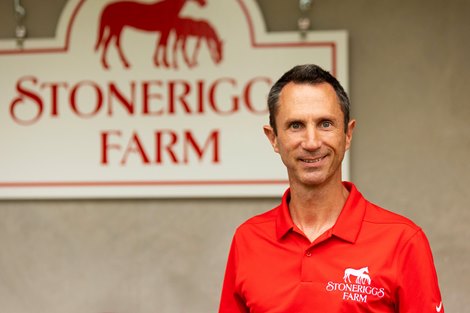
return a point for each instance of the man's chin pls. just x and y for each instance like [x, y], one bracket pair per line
[313, 181]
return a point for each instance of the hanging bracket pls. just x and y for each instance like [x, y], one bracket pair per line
[304, 21]
[20, 31]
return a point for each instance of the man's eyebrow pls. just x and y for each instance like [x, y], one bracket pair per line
[302, 119]
[293, 120]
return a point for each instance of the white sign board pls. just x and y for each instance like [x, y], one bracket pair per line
[157, 99]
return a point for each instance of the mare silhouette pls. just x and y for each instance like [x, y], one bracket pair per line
[159, 16]
[201, 29]
[362, 276]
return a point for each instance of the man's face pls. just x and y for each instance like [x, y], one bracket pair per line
[310, 133]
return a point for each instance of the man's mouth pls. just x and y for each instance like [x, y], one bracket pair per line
[312, 160]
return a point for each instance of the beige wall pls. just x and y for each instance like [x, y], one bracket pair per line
[409, 71]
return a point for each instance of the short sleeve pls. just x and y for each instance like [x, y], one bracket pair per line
[230, 301]
[418, 289]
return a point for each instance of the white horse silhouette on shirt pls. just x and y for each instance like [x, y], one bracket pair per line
[361, 275]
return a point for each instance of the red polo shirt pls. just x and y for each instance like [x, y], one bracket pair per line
[371, 260]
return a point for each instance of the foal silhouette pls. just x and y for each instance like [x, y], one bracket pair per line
[200, 29]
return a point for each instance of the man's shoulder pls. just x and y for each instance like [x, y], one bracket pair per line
[267, 216]
[378, 215]
[260, 220]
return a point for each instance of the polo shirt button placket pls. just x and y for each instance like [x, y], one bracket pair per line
[307, 270]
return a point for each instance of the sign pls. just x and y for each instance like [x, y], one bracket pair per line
[149, 99]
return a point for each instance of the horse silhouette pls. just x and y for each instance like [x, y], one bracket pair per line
[159, 16]
[201, 29]
[362, 276]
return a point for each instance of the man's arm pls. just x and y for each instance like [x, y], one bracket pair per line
[230, 301]
[418, 289]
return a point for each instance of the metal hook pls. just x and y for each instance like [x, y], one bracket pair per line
[20, 31]
[305, 4]
[19, 9]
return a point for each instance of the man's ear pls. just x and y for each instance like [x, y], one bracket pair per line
[272, 137]
[349, 133]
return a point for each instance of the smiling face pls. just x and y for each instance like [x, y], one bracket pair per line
[311, 138]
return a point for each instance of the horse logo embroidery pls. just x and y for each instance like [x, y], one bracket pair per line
[356, 286]
[362, 275]
[159, 17]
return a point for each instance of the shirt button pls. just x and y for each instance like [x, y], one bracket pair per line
[308, 253]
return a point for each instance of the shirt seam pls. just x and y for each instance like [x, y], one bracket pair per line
[260, 222]
[410, 225]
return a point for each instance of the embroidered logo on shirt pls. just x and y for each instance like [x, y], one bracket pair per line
[356, 286]
[439, 307]
[362, 276]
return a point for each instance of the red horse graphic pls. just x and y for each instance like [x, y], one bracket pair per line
[200, 29]
[160, 16]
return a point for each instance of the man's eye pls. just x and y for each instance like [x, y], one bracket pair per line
[326, 124]
[295, 125]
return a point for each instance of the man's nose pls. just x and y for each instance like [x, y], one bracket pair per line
[311, 140]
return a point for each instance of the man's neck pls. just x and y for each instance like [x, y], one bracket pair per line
[315, 209]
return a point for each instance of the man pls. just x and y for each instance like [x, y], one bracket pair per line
[324, 248]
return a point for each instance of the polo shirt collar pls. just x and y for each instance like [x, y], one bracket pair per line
[284, 222]
[349, 221]
[348, 224]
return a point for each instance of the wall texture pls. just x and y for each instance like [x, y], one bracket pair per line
[409, 70]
